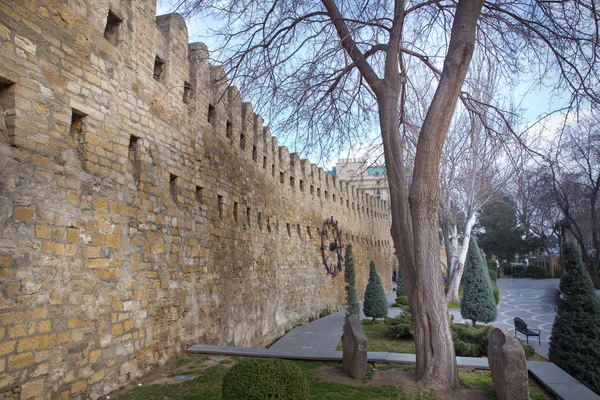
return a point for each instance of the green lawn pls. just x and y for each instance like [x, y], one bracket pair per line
[207, 383]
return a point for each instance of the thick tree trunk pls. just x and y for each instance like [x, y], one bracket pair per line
[452, 296]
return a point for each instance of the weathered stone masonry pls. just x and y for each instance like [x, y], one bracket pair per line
[144, 207]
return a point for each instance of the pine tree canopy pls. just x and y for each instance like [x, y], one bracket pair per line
[376, 304]
[478, 303]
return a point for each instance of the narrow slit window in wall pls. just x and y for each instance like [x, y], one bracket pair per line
[347, 203]
[7, 109]
[326, 195]
[299, 229]
[235, 211]
[173, 185]
[264, 162]
[211, 113]
[229, 129]
[308, 232]
[159, 65]
[269, 224]
[199, 194]
[312, 189]
[260, 226]
[318, 192]
[289, 230]
[113, 28]
[76, 132]
[242, 142]
[301, 185]
[281, 178]
[291, 181]
[220, 205]
[254, 153]
[334, 197]
[273, 170]
[248, 216]
[187, 92]
[134, 157]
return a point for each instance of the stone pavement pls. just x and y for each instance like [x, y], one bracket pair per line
[531, 300]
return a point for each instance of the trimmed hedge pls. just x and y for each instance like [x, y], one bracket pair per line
[262, 379]
[536, 272]
[400, 327]
[375, 304]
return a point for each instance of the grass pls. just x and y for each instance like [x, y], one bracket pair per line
[379, 340]
[483, 380]
[207, 386]
[457, 305]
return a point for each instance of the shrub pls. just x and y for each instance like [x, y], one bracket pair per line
[400, 289]
[536, 271]
[506, 269]
[518, 271]
[402, 301]
[469, 341]
[400, 327]
[492, 273]
[257, 379]
[350, 279]
[478, 303]
[529, 350]
[575, 338]
[375, 304]
[496, 292]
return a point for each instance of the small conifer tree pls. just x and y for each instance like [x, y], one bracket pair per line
[478, 303]
[350, 279]
[400, 289]
[575, 338]
[376, 304]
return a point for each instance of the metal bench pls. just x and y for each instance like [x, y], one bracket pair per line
[521, 326]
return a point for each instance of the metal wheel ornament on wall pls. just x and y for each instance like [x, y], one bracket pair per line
[331, 246]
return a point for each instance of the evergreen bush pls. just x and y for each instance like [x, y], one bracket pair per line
[400, 289]
[496, 291]
[375, 304]
[536, 272]
[402, 301]
[400, 327]
[478, 303]
[350, 278]
[259, 378]
[575, 338]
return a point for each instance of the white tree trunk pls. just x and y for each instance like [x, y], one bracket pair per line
[452, 296]
[453, 251]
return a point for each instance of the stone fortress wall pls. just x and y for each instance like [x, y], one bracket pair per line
[144, 207]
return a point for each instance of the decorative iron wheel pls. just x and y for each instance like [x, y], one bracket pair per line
[331, 246]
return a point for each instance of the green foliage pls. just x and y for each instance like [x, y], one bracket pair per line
[400, 327]
[402, 300]
[529, 350]
[469, 341]
[375, 304]
[575, 339]
[496, 291]
[350, 279]
[478, 303]
[536, 271]
[400, 289]
[501, 234]
[257, 379]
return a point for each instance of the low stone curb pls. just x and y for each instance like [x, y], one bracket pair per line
[557, 381]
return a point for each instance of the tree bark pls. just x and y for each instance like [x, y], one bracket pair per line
[452, 296]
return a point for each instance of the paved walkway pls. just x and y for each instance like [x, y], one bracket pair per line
[531, 300]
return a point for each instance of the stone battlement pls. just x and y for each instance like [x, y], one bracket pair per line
[144, 207]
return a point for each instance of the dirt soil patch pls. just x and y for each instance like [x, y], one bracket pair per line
[393, 377]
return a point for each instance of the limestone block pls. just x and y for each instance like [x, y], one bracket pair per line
[354, 359]
[509, 368]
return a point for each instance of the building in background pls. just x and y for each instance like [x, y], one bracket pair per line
[371, 179]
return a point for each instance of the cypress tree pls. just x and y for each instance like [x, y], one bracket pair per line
[400, 290]
[478, 303]
[575, 338]
[376, 304]
[350, 279]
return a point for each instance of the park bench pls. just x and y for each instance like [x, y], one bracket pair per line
[521, 326]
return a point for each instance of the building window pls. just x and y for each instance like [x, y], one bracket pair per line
[159, 64]
[112, 29]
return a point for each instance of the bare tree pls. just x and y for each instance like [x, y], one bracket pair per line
[575, 181]
[337, 69]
